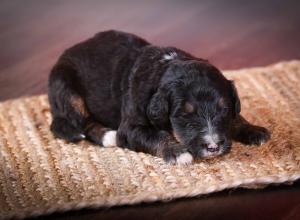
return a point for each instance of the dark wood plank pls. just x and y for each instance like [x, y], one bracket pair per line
[231, 34]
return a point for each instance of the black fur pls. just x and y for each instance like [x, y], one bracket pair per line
[161, 100]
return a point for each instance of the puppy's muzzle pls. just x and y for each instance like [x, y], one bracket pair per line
[214, 147]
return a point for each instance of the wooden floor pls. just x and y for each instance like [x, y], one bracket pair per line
[230, 33]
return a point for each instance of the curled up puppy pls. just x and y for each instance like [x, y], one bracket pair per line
[116, 89]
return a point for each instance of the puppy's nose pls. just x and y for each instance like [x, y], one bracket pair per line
[212, 147]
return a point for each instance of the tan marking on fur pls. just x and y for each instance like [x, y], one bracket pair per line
[221, 102]
[177, 137]
[188, 107]
[162, 145]
[159, 148]
[79, 105]
[95, 129]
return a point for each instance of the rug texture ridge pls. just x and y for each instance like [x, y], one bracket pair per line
[40, 174]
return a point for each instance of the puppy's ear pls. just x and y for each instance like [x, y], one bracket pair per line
[235, 99]
[158, 109]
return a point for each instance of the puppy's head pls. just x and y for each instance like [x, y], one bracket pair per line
[198, 104]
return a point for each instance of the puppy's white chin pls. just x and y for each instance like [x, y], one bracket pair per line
[184, 159]
[110, 139]
[208, 154]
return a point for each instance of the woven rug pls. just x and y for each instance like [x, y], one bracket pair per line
[40, 174]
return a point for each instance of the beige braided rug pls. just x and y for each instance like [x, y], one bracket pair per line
[40, 174]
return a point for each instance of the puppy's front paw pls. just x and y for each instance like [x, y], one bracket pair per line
[184, 158]
[177, 155]
[254, 135]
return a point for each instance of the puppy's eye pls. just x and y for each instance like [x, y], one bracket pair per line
[225, 110]
[221, 103]
[188, 107]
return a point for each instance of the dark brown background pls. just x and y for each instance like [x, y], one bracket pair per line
[231, 34]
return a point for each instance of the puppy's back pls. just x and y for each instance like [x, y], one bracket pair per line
[97, 70]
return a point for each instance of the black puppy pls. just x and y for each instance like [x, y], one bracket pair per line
[161, 100]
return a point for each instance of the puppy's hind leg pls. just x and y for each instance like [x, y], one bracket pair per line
[247, 133]
[71, 119]
[67, 105]
[100, 134]
[62, 128]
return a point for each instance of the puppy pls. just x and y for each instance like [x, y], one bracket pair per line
[116, 89]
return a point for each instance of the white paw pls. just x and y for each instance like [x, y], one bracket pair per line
[185, 158]
[82, 136]
[109, 139]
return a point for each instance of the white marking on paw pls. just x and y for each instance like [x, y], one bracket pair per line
[262, 142]
[82, 136]
[109, 139]
[170, 56]
[185, 158]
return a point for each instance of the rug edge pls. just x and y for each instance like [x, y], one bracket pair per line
[159, 196]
